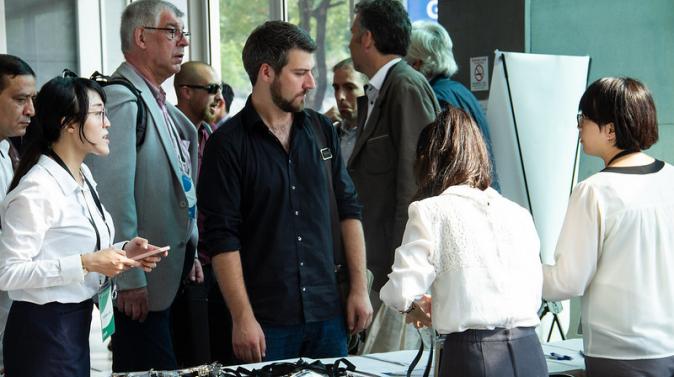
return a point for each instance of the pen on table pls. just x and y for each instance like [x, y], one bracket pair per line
[558, 356]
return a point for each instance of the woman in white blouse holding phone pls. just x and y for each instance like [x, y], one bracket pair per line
[478, 253]
[56, 243]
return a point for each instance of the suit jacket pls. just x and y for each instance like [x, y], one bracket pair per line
[382, 161]
[142, 189]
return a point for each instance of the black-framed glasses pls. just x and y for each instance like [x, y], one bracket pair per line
[172, 32]
[210, 88]
[102, 114]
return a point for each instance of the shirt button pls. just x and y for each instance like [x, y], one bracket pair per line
[299, 238]
[301, 264]
[304, 289]
[297, 213]
[292, 187]
[290, 161]
[183, 204]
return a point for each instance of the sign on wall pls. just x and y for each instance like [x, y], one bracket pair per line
[426, 10]
[479, 76]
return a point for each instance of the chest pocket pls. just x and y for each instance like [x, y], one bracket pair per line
[379, 154]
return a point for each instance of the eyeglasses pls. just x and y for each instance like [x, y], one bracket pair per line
[579, 119]
[172, 32]
[210, 88]
[69, 74]
[102, 114]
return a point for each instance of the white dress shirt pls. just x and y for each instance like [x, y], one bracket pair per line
[45, 227]
[6, 175]
[6, 170]
[616, 249]
[374, 85]
[479, 254]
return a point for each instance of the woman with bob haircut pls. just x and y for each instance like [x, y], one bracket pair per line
[56, 242]
[478, 253]
[616, 246]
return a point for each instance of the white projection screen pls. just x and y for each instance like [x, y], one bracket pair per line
[532, 109]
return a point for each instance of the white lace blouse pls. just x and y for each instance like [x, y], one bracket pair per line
[479, 254]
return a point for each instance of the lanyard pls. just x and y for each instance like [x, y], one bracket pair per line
[620, 154]
[59, 161]
[176, 141]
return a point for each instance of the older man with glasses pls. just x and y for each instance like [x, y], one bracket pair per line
[148, 185]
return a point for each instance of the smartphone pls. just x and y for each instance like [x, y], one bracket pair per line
[151, 252]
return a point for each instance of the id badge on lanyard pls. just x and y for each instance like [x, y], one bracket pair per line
[191, 195]
[105, 296]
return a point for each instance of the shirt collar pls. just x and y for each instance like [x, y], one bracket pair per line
[4, 148]
[467, 191]
[63, 178]
[378, 79]
[157, 91]
[204, 126]
[252, 119]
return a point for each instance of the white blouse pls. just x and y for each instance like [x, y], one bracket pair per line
[45, 227]
[479, 254]
[616, 249]
[6, 171]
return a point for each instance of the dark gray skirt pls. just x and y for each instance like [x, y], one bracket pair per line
[501, 352]
[600, 367]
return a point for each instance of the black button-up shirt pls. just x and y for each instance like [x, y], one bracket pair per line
[273, 206]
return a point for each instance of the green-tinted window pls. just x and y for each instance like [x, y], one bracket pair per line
[329, 24]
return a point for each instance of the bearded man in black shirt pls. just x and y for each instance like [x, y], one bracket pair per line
[264, 193]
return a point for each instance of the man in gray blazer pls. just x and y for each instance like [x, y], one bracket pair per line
[398, 104]
[148, 185]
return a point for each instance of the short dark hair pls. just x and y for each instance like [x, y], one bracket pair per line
[61, 101]
[269, 44]
[347, 64]
[12, 66]
[389, 24]
[227, 94]
[627, 104]
[451, 151]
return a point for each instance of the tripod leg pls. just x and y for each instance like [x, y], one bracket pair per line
[555, 319]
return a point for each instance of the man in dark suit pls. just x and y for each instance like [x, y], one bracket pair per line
[397, 105]
[148, 186]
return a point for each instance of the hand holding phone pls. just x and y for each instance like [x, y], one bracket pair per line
[149, 253]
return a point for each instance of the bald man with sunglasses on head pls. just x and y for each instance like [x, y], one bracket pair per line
[199, 94]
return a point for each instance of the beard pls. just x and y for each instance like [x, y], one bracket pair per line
[208, 116]
[282, 103]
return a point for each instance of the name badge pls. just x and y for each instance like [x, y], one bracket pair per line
[105, 294]
[326, 154]
[191, 196]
